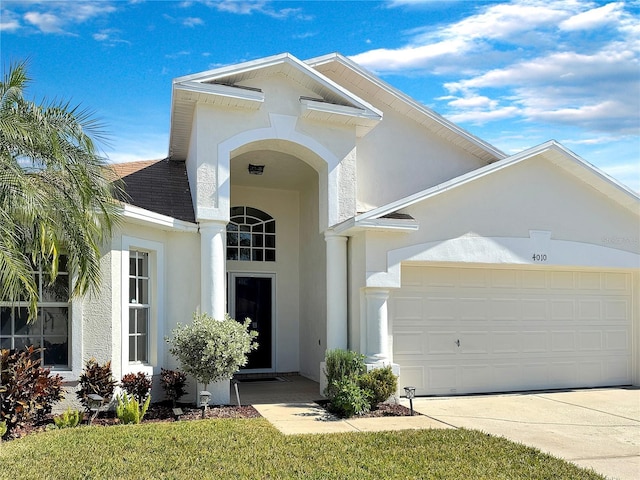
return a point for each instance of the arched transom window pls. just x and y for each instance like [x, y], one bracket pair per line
[251, 235]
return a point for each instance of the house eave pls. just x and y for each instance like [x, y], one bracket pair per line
[142, 216]
[354, 225]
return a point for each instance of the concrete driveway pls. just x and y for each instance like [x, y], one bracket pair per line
[595, 428]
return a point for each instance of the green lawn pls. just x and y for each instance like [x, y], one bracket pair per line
[252, 448]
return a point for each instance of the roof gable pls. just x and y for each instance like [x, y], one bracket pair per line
[227, 87]
[551, 151]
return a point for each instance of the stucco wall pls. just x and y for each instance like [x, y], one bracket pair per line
[219, 131]
[536, 196]
[313, 306]
[283, 206]
[399, 158]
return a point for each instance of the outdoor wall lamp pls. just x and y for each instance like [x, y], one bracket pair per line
[410, 392]
[256, 169]
[204, 401]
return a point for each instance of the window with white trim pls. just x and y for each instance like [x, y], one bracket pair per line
[251, 235]
[139, 307]
[51, 326]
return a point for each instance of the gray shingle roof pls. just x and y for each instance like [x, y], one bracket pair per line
[160, 186]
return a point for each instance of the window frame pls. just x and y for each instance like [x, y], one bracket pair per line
[138, 306]
[155, 320]
[251, 235]
[15, 307]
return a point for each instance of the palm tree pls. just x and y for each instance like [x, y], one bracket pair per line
[56, 194]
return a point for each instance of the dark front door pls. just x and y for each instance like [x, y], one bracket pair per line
[253, 299]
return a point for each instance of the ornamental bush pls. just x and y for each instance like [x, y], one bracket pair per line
[97, 379]
[349, 399]
[137, 384]
[352, 390]
[129, 410]
[28, 390]
[173, 383]
[341, 364]
[212, 350]
[68, 419]
[381, 383]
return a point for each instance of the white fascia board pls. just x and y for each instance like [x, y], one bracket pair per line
[146, 217]
[233, 69]
[221, 91]
[351, 226]
[266, 62]
[339, 109]
[625, 196]
[408, 100]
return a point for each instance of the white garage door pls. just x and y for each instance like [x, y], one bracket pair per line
[471, 330]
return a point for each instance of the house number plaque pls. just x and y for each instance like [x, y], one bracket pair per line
[539, 257]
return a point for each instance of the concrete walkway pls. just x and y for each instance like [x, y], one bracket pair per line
[299, 418]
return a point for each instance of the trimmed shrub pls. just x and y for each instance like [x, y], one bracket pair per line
[381, 383]
[97, 379]
[173, 383]
[68, 419]
[212, 350]
[129, 409]
[137, 384]
[28, 390]
[349, 399]
[341, 364]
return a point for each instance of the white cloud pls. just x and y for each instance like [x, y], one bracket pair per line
[479, 117]
[534, 60]
[192, 22]
[257, 6]
[45, 22]
[594, 18]
[53, 17]
[9, 21]
[109, 37]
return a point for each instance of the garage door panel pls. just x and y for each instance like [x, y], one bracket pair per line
[473, 342]
[563, 341]
[408, 308]
[474, 377]
[616, 340]
[441, 379]
[504, 309]
[506, 342]
[517, 329]
[409, 343]
[616, 282]
[563, 310]
[536, 341]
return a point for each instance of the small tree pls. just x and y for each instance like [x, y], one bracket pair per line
[212, 350]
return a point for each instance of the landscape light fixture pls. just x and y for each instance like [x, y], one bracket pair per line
[256, 169]
[204, 401]
[410, 392]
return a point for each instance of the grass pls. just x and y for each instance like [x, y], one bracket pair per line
[253, 449]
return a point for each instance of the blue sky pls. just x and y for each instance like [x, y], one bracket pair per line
[515, 74]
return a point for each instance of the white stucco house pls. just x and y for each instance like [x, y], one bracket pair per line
[337, 212]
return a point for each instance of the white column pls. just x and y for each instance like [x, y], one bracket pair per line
[212, 268]
[377, 325]
[213, 290]
[336, 291]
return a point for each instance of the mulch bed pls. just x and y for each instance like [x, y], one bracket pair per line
[157, 412]
[381, 410]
